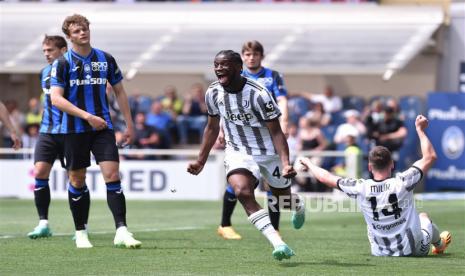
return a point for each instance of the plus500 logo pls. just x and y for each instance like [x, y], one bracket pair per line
[87, 81]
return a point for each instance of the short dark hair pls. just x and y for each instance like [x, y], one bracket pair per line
[74, 19]
[231, 55]
[57, 40]
[253, 46]
[380, 158]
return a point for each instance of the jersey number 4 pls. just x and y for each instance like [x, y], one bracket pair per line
[394, 205]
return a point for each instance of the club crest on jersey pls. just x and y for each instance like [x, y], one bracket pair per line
[99, 66]
[245, 103]
[87, 68]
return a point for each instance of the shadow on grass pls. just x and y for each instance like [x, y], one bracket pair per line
[325, 263]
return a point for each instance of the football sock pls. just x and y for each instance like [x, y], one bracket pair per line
[435, 238]
[273, 210]
[117, 203]
[42, 197]
[79, 203]
[262, 222]
[229, 202]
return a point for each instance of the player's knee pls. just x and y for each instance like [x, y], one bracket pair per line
[111, 176]
[77, 178]
[243, 193]
[423, 215]
[41, 170]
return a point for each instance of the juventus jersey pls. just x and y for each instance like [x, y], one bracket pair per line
[244, 115]
[389, 210]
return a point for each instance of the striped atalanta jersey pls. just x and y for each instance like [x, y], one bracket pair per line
[272, 80]
[389, 210]
[84, 80]
[244, 114]
[51, 117]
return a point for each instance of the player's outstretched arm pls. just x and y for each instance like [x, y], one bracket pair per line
[64, 105]
[122, 99]
[280, 144]
[284, 119]
[427, 150]
[321, 174]
[209, 138]
[5, 118]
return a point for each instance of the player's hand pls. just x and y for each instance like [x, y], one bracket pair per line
[128, 137]
[421, 122]
[97, 122]
[305, 162]
[195, 167]
[221, 139]
[289, 172]
[16, 141]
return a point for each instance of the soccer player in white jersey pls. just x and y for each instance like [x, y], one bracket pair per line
[255, 143]
[393, 224]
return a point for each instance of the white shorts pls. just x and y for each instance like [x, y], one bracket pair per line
[423, 244]
[267, 166]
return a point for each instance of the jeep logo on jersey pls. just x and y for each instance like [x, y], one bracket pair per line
[238, 117]
[88, 81]
[99, 66]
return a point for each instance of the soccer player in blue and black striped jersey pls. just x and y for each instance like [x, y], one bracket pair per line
[78, 88]
[49, 147]
[253, 54]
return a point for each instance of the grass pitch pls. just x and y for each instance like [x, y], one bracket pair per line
[179, 238]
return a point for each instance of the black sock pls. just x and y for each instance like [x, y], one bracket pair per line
[273, 210]
[42, 197]
[229, 202]
[117, 203]
[79, 203]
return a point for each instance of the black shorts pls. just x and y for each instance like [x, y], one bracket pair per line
[49, 147]
[78, 147]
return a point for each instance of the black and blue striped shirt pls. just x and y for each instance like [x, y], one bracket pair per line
[84, 80]
[51, 117]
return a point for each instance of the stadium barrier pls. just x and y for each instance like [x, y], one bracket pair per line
[141, 179]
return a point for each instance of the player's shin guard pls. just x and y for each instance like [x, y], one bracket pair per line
[273, 210]
[261, 221]
[229, 203]
[42, 197]
[79, 203]
[117, 203]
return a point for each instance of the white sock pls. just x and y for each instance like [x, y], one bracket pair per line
[262, 222]
[122, 228]
[436, 239]
[43, 223]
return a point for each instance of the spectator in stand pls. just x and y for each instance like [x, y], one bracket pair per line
[34, 113]
[170, 102]
[394, 104]
[146, 137]
[373, 116]
[390, 132]
[330, 101]
[194, 114]
[319, 114]
[17, 121]
[160, 120]
[30, 138]
[352, 127]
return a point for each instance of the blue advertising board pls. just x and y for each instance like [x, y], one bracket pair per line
[446, 115]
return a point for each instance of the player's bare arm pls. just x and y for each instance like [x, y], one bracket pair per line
[5, 118]
[280, 144]
[209, 137]
[321, 174]
[284, 119]
[64, 105]
[427, 150]
[122, 99]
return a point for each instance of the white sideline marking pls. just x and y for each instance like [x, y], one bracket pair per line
[183, 228]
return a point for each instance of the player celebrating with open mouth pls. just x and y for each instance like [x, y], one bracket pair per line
[255, 143]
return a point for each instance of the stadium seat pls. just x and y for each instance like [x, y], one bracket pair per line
[328, 132]
[337, 118]
[298, 106]
[353, 102]
[383, 99]
[412, 103]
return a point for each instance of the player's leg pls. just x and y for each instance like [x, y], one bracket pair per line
[273, 209]
[440, 241]
[77, 155]
[226, 230]
[106, 154]
[45, 153]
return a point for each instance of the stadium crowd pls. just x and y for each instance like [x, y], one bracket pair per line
[318, 122]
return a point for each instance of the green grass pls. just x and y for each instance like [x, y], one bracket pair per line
[180, 238]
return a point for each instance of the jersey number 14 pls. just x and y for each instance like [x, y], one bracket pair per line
[394, 205]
